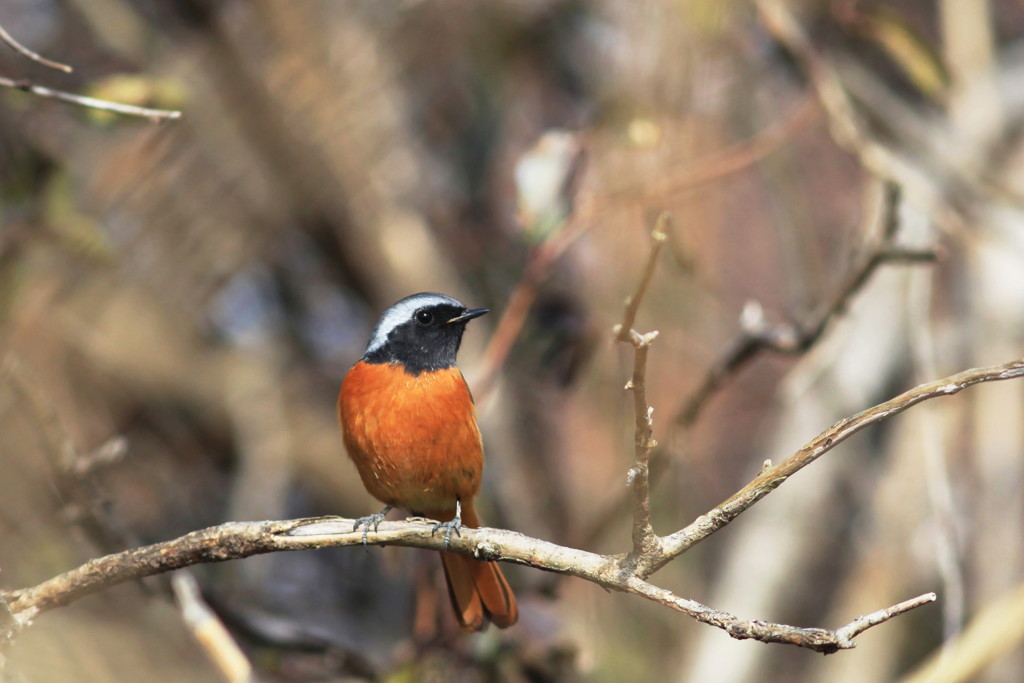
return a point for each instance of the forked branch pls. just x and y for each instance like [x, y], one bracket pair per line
[645, 542]
[237, 540]
[627, 572]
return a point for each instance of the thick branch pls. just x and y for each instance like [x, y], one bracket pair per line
[237, 540]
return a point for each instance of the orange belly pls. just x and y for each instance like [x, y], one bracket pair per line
[414, 440]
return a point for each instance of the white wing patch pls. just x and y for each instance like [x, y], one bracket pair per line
[401, 312]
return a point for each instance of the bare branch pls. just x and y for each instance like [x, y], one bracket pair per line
[34, 56]
[624, 331]
[769, 479]
[645, 542]
[860, 624]
[154, 115]
[757, 334]
[237, 540]
[826, 641]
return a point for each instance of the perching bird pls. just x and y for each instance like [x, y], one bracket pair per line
[409, 424]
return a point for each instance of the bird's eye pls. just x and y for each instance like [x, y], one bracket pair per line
[424, 317]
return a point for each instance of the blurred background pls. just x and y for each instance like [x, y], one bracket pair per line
[179, 303]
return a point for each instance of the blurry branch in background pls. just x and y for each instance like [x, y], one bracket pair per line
[756, 334]
[73, 470]
[626, 572]
[66, 461]
[154, 115]
[845, 125]
[923, 155]
[25, 85]
[994, 632]
[735, 158]
[542, 259]
[29, 54]
[10, 625]
[209, 631]
[547, 181]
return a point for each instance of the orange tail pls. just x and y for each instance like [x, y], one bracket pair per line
[479, 592]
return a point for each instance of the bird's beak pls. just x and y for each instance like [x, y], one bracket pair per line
[468, 314]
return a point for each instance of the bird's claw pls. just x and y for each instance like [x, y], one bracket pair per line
[373, 520]
[454, 524]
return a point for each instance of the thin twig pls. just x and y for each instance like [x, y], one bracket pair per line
[154, 115]
[826, 641]
[645, 541]
[72, 470]
[624, 331]
[860, 624]
[34, 56]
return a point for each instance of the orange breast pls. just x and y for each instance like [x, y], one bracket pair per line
[414, 440]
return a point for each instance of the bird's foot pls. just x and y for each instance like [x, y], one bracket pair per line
[454, 524]
[373, 520]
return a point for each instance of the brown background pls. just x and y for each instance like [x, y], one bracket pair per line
[199, 289]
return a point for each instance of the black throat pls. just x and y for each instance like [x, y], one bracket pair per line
[414, 360]
[418, 349]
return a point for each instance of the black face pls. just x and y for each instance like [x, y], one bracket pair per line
[421, 338]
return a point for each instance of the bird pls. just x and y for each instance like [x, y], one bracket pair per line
[408, 423]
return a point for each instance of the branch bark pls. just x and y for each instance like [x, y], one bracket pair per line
[645, 542]
[236, 540]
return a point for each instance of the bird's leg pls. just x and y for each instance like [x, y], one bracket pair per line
[373, 520]
[451, 525]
